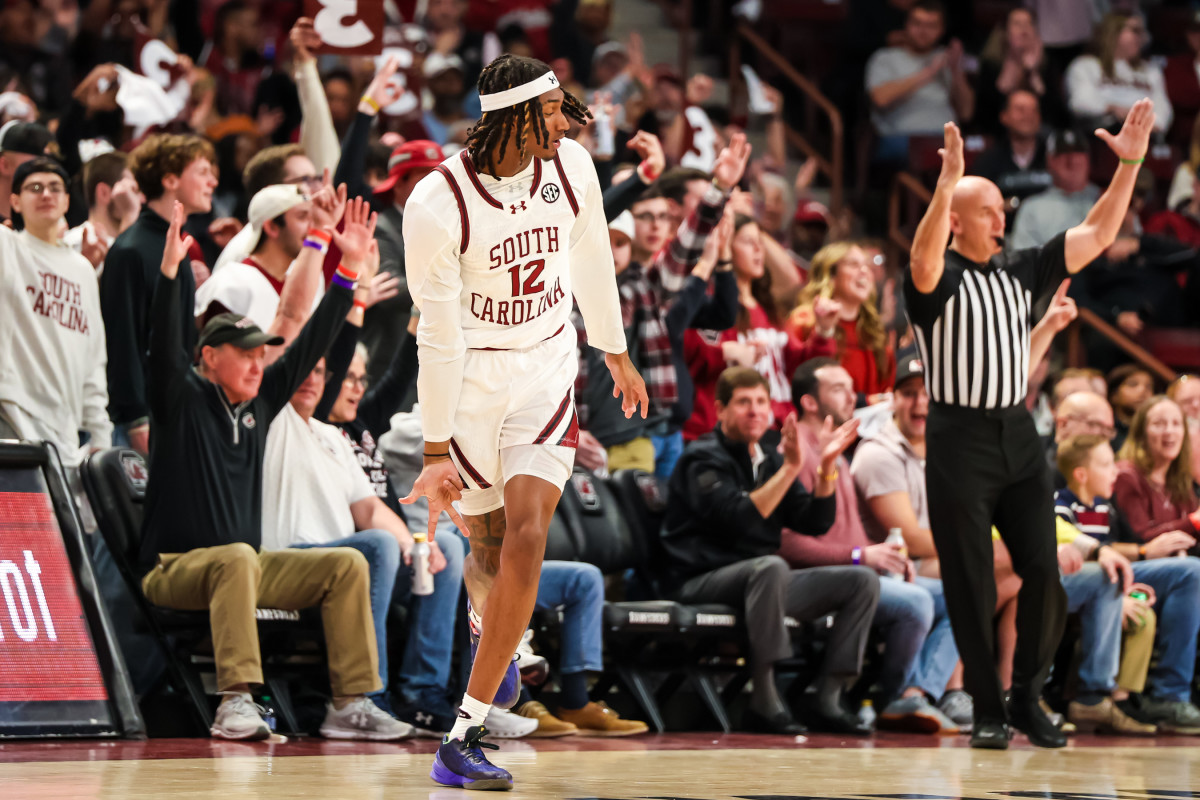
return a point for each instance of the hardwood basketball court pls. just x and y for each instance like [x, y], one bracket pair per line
[689, 767]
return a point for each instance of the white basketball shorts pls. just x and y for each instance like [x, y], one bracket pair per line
[516, 416]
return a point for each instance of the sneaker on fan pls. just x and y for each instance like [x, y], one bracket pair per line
[361, 719]
[239, 718]
[504, 724]
[534, 668]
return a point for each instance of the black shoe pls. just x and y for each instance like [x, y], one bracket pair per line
[426, 724]
[1029, 719]
[782, 724]
[827, 716]
[990, 735]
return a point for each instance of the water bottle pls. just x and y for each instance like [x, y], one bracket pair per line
[605, 137]
[268, 713]
[422, 579]
[866, 713]
[896, 538]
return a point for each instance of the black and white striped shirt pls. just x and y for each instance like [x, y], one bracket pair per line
[972, 331]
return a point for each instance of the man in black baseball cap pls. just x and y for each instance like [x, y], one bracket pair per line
[19, 142]
[1066, 203]
[235, 329]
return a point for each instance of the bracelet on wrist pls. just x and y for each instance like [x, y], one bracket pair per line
[366, 98]
[360, 304]
[1133, 161]
[827, 475]
[647, 173]
[856, 556]
[340, 280]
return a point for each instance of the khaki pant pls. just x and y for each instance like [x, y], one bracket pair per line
[635, 454]
[231, 580]
[1137, 645]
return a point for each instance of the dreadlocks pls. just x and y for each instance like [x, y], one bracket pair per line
[488, 140]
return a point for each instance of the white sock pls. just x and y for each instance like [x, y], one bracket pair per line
[476, 621]
[472, 712]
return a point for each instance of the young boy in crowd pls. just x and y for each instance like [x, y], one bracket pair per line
[1088, 464]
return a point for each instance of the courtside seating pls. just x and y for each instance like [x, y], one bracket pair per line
[115, 482]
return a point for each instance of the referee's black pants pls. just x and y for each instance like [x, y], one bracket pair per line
[984, 468]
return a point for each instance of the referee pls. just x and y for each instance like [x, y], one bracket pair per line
[970, 306]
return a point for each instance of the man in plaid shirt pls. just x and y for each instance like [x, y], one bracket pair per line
[651, 273]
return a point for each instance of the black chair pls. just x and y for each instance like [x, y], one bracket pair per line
[618, 523]
[115, 481]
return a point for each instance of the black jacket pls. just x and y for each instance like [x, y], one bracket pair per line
[206, 455]
[711, 521]
[131, 271]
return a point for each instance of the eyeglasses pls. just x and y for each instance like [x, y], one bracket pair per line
[646, 216]
[1094, 427]
[362, 381]
[55, 189]
[309, 181]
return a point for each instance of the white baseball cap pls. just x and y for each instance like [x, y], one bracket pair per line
[272, 201]
[623, 224]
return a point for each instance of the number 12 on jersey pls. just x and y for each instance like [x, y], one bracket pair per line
[532, 283]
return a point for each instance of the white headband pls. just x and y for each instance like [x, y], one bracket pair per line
[518, 94]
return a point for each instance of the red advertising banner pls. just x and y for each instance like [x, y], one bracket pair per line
[46, 651]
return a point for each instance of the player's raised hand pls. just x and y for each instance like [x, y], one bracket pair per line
[357, 232]
[1134, 138]
[176, 247]
[627, 384]
[439, 483]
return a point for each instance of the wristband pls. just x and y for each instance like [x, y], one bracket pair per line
[360, 304]
[856, 556]
[1142, 553]
[319, 235]
[831, 475]
[339, 280]
[366, 98]
[1132, 161]
[645, 174]
[316, 244]
[346, 273]
[437, 455]
[1194, 518]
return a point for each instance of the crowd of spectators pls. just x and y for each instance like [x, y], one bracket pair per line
[209, 269]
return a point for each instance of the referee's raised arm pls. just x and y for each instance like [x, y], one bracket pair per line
[1087, 240]
[928, 255]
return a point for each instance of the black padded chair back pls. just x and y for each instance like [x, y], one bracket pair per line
[589, 507]
[561, 544]
[115, 482]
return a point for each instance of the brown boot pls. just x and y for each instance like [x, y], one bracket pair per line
[597, 719]
[1106, 717]
[549, 726]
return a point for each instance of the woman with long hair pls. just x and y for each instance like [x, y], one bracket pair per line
[1101, 88]
[1012, 59]
[1154, 486]
[758, 340]
[842, 273]
[1153, 493]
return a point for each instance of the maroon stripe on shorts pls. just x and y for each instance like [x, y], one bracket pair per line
[471, 471]
[555, 420]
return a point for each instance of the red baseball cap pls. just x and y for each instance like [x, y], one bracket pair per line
[811, 212]
[417, 154]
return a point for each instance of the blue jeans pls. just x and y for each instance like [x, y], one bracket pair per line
[1176, 583]
[578, 589]
[1099, 602]
[667, 450]
[425, 669]
[919, 648]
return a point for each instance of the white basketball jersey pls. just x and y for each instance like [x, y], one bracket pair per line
[512, 239]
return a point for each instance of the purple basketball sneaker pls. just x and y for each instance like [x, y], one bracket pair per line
[510, 687]
[461, 763]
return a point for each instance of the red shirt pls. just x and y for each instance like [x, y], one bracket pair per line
[785, 352]
[1148, 509]
[859, 361]
[1180, 227]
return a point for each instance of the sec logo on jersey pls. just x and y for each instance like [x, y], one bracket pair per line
[550, 192]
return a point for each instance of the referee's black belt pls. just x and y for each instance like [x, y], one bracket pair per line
[968, 413]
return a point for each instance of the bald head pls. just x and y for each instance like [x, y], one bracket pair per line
[1082, 412]
[977, 218]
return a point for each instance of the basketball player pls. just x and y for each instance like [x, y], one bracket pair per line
[498, 239]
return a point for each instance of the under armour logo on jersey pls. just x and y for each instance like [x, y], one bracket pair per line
[550, 192]
[518, 207]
